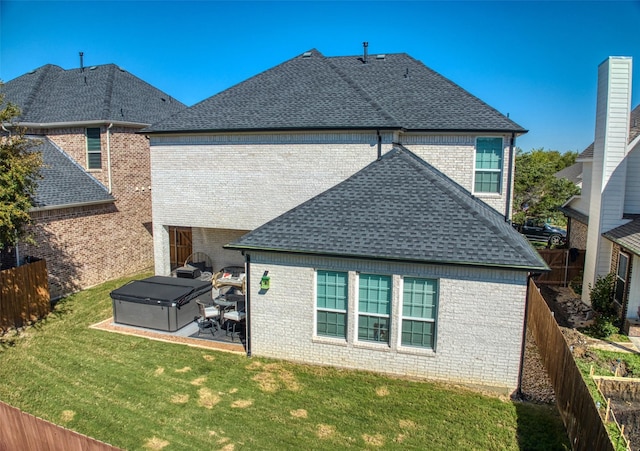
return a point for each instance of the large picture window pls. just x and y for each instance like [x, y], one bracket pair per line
[419, 307]
[332, 294]
[94, 150]
[374, 307]
[488, 174]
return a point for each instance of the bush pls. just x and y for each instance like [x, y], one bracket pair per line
[576, 284]
[604, 326]
[601, 295]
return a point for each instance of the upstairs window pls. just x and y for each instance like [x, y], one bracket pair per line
[488, 174]
[419, 305]
[332, 293]
[374, 308]
[94, 151]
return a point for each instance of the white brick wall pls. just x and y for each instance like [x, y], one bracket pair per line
[241, 181]
[479, 324]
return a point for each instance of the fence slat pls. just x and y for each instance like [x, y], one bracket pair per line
[24, 294]
[575, 403]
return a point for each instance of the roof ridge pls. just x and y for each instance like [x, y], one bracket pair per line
[106, 109]
[360, 90]
[35, 92]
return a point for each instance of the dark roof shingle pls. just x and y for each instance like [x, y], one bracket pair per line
[312, 91]
[63, 181]
[634, 131]
[51, 94]
[627, 235]
[397, 208]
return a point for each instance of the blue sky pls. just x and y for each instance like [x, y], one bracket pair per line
[536, 61]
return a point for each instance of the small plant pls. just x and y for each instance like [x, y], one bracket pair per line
[576, 284]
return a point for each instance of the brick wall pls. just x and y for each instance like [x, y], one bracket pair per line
[242, 181]
[578, 238]
[85, 246]
[479, 322]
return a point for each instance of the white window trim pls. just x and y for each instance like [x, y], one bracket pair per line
[476, 170]
[356, 323]
[411, 349]
[328, 338]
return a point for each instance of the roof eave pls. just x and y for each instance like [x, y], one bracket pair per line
[72, 205]
[527, 268]
[262, 130]
[75, 124]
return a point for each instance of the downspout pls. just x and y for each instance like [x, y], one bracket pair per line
[507, 210]
[247, 305]
[524, 337]
[109, 154]
[379, 144]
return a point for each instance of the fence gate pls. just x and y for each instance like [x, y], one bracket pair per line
[565, 264]
[180, 245]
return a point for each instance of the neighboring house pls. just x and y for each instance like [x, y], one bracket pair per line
[397, 269]
[572, 173]
[92, 217]
[264, 147]
[605, 218]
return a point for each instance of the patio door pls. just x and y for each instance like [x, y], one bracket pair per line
[180, 245]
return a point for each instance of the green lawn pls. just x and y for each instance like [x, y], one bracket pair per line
[141, 394]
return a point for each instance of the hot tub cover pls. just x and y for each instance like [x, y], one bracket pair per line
[161, 290]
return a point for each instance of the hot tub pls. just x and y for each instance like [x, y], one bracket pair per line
[158, 302]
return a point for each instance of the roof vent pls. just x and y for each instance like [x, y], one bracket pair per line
[365, 46]
[81, 61]
[306, 55]
[93, 67]
[381, 56]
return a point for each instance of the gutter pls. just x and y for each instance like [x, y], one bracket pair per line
[109, 156]
[247, 305]
[78, 204]
[524, 338]
[75, 124]
[510, 171]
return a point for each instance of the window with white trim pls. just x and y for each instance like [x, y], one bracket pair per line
[621, 277]
[94, 150]
[331, 299]
[488, 173]
[419, 311]
[374, 307]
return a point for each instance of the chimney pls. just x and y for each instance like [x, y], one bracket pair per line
[364, 58]
[81, 61]
[609, 165]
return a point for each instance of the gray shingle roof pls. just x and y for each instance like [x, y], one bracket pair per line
[627, 235]
[397, 208]
[51, 94]
[634, 131]
[572, 173]
[312, 91]
[64, 182]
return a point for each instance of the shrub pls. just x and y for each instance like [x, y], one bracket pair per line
[601, 295]
[604, 326]
[576, 284]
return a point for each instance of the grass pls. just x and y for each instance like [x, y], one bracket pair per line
[142, 394]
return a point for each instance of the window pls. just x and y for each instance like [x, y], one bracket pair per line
[621, 277]
[94, 152]
[374, 307]
[419, 305]
[488, 165]
[332, 293]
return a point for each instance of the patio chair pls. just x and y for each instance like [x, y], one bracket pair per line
[209, 319]
[235, 318]
[201, 261]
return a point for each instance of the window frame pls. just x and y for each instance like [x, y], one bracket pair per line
[324, 309]
[378, 330]
[621, 283]
[91, 149]
[420, 319]
[477, 171]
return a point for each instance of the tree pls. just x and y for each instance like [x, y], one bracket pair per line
[19, 171]
[537, 192]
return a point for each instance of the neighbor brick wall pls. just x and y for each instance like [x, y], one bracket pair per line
[479, 323]
[578, 237]
[85, 246]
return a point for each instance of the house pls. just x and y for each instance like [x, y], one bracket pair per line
[605, 218]
[398, 269]
[262, 148]
[92, 213]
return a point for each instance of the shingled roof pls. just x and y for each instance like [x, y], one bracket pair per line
[627, 235]
[107, 93]
[64, 182]
[312, 91]
[397, 208]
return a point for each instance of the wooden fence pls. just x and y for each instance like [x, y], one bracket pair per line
[24, 294]
[585, 427]
[19, 430]
[565, 264]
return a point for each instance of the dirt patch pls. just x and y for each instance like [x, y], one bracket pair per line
[299, 413]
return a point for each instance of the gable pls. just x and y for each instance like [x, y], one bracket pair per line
[312, 91]
[397, 208]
